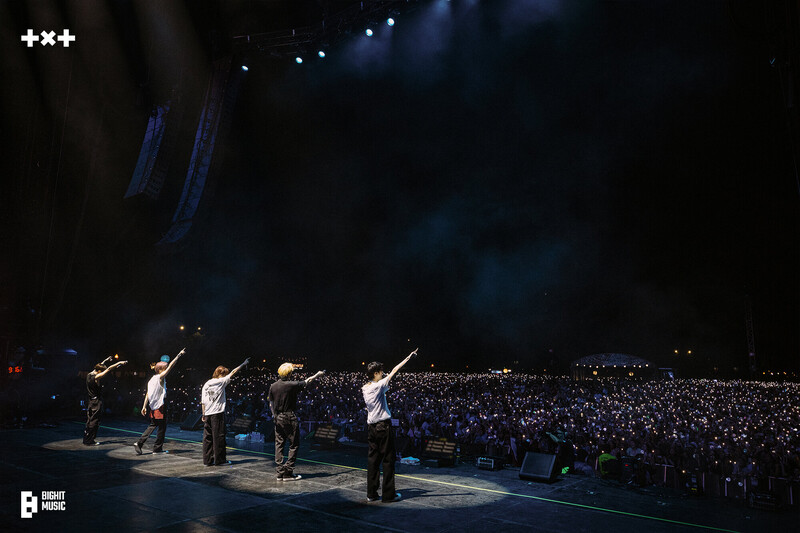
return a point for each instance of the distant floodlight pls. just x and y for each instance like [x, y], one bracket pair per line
[298, 59]
[368, 32]
[390, 21]
[244, 68]
[321, 53]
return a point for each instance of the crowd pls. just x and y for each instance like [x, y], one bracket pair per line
[730, 428]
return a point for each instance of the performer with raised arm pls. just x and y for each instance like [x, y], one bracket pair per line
[212, 401]
[154, 403]
[283, 402]
[380, 434]
[95, 406]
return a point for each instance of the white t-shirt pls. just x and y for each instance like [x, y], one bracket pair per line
[213, 395]
[156, 392]
[375, 398]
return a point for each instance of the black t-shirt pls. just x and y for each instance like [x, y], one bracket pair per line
[94, 387]
[283, 395]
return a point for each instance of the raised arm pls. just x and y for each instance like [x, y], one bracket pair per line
[235, 370]
[400, 365]
[315, 376]
[107, 370]
[172, 363]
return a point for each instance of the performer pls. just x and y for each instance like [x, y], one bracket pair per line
[380, 434]
[95, 406]
[154, 404]
[212, 400]
[283, 402]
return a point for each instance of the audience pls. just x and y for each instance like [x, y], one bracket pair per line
[731, 428]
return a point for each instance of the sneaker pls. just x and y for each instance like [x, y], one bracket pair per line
[224, 463]
[373, 500]
[291, 477]
[397, 498]
[160, 452]
[137, 448]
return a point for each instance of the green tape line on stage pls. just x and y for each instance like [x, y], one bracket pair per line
[447, 483]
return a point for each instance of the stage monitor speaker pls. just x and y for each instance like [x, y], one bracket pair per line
[766, 500]
[539, 467]
[241, 425]
[627, 469]
[489, 463]
[193, 421]
[326, 437]
[442, 450]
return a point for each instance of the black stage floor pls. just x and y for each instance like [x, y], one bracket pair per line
[110, 488]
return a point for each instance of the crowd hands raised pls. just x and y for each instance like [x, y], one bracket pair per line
[730, 428]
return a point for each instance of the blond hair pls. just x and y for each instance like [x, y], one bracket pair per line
[285, 369]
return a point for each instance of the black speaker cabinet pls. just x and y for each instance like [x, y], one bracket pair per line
[539, 467]
[325, 437]
[241, 425]
[193, 421]
[441, 450]
[489, 463]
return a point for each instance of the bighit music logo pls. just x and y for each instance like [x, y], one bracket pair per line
[52, 500]
[29, 504]
[47, 38]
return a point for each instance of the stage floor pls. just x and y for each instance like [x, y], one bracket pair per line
[110, 488]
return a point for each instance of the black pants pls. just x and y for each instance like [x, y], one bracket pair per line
[380, 437]
[286, 427]
[161, 424]
[214, 439]
[93, 412]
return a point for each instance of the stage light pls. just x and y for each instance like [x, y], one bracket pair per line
[390, 21]
[321, 54]
[368, 32]
[181, 328]
[298, 60]
[244, 68]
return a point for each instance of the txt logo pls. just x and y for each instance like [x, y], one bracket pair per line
[47, 38]
[28, 503]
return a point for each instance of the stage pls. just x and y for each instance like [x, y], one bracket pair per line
[110, 488]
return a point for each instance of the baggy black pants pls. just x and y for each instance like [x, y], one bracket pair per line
[93, 412]
[214, 439]
[286, 427]
[161, 424]
[380, 437]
